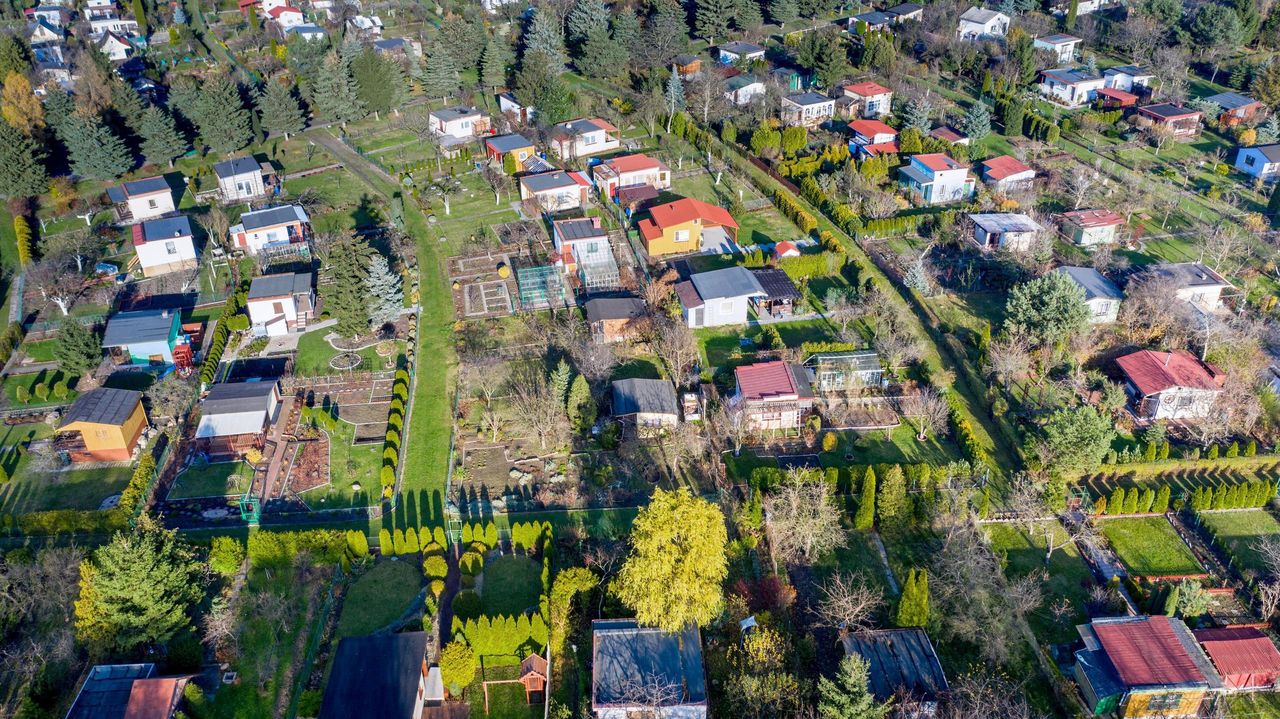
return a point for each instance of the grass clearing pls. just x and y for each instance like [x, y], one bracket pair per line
[34, 490]
[506, 701]
[348, 463]
[212, 480]
[40, 350]
[899, 447]
[1238, 531]
[1149, 546]
[1068, 576]
[314, 354]
[379, 597]
[512, 585]
[721, 346]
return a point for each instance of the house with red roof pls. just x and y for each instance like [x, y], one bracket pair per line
[1245, 657]
[870, 99]
[688, 225]
[584, 137]
[871, 138]
[775, 395]
[1170, 385]
[1145, 666]
[936, 179]
[1089, 228]
[286, 17]
[1006, 172]
[555, 191]
[631, 171]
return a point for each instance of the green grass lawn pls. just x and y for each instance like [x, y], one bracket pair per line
[908, 548]
[314, 354]
[1068, 578]
[1238, 531]
[512, 585]
[212, 480]
[348, 463]
[506, 701]
[40, 350]
[857, 556]
[900, 447]
[648, 367]
[379, 597]
[719, 346]
[49, 378]
[1148, 546]
[1254, 706]
[762, 226]
[32, 490]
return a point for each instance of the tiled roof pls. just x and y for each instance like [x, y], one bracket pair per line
[1093, 218]
[998, 168]
[770, 380]
[1152, 372]
[688, 209]
[634, 163]
[881, 148]
[948, 133]
[867, 89]
[871, 128]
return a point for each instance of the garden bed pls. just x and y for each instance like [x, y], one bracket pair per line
[1149, 547]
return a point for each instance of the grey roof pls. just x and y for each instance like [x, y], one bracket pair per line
[507, 143]
[684, 59]
[1189, 274]
[912, 172]
[237, 397]
[454, 113]
[737, 47]
[166, 228]
[1231, 100]
[725, 283]
[905, 8]
[307, 29]
[103, 405]
[1059, 38]
[1133, 70]
[375, 676]
[980, 15]
[581, 126]
[1099, 672]
[737, 82]
[237, 166]
[899, 658]
[805, 99]
[579, 229]
[1069, 76]
[874, 17]
[272, 216]
[548, 181]
[1096, 285]
[1004, 222]
[1168, 110]
[105, 693]
[126, 328]
[623, 653]
[391, 43]
[776, 284]
[614, 308]
[145, 186]
[1271, 152]
[281, 285]
[650, 396]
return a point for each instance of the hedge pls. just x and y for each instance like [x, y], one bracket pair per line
[973, 450]
[269, 548]
[134, 494]
[1255, 493]
[501, 636]
[72, 521]
[466, 605]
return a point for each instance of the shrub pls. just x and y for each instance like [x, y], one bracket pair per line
[1233, 449]
[226, 555]
[60, 390]
[384, 543]
[1213, 452]
[466, 605]
[471, 563]
[357, 544]
[457, 665]
[435, 567]
[1251, 449]
[437, 587]
[1100, 505]
[22, 394]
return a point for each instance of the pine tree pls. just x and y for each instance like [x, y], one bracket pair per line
[546, 38]
[673, 97]
[280, 110]
[747, 16]
[977, 122]
[334, 91]
[711, 18]
[22, 238]
[582, 408]
[1014, 111]
[22, 171]
[917, 114]
[601, 55]
[1072, 12]
[379, 82]
[586, 15]
[783, 11]
[848, 695]
[79, 349]
[225, 125]
[385, 290]
[495, 61]
[625, 28]
[865, 518]
[161, 141]
[349, 260]
[96, 152]
[440, 75]
[891, 497]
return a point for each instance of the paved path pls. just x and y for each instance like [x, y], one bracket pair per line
[277, 458]
[884, 560]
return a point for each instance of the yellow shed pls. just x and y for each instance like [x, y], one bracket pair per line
[108, 422]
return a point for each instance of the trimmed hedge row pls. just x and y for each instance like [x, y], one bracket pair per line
[896, 225]
[965, 436]
[1252, 494]
[395, 426]
[489, 636]
[268, 548]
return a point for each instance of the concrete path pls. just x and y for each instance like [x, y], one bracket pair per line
[884, 560]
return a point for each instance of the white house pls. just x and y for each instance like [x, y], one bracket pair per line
[280, 304]
[111, 22]
[808, 109]
[742, 89]
[907, 11]
[240, 178]
[511, 107]
[871, 98]
[1006, 231]
[1089, 228]
[461, 123]
[143, 199]
[1072, 88]
[719, 297]
[774, 395]
[1170, 385]
[1083, 7]
[1100, 293]
[935, 179]
[116, 48]
[1006, 172]
[1127, 77]
[164, 245]
[872, 137]
[631, 171]
[1194, 283]
[307, 31]
[285, 17]
[584, 137]
[270, 227]
[981, 24]
[556, 190]
[368, 27]
[1062, 46]
[1260, 161]
[55, 15]
[737, 51]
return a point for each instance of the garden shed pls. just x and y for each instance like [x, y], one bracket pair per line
[899, 660]
[1245, 657]
[381, 676]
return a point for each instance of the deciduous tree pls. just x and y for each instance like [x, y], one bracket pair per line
[804, 521]
[20, 106]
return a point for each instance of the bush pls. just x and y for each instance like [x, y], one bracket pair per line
[226, 555]
[466, 605]
[22, 394]
[385, 546]
[471, 563]
[435, 567]
[1213, 452]
[1233, 450]
[830, 442]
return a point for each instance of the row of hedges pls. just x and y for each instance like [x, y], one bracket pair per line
[1253, 494]
[896, 225]
[973, 450]
[231, 319]
[793, 211]
[1134, 501]
[134, 496]
[395, 428]
[269, 548]
[72, 521]
[496, 636]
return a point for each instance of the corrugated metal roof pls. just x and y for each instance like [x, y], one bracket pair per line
[1239, 650]
[899, 659]
[624, 653]
[105, 693]
[1145, 651]
[236, 166]
[1094, 283]
[1004, 222]
[136, 327]
[237, 397]
[726, 283]
[271, 216]
[376, 676]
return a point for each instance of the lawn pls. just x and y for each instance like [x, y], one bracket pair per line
[1254, 706]
[49, 378]
[348, 463]
[901, 447]
[1148, 546]
[40, 350]
[506, 701]
[719, 346]
[1237, 532]
[512, 585]
[1069, 577]
[766, 225]
[857, 556]
[379, 597]
[212, 480]
[32, 490]
[314, 354]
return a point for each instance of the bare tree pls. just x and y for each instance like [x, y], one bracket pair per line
[1008, 357]
[1081, 182]
[848, 603]
[1151, 312]
[79, 245]
[1033, 515]
[216, 225]
[1268, 599]
[537, 409]
[928, 410]
[485, 381]
[982, 694]
[1157, 134]
[842, 309]
[676, 347]
[171, 396]
[898, 347]
[1224, 247]
[1140, 35]
[802, 520]
[498, 181]
[57, 281]
[705, 95]
[222, 629]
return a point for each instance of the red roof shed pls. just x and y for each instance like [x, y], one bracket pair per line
[1147, 652]
[1244, 656]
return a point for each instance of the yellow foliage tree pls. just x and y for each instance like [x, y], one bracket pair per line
[22, 237]
[20, 106]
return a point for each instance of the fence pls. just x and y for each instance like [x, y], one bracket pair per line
[313, 642]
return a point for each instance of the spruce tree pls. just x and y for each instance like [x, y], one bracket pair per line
[848, 695]
[334, 91]
[917, 115]
[161, 141]
[582, 408]
[379, 82]
[440, 75]
[1161, 505]
[225, 125]
[15, 56]
[625, 28]
[711, 18]
[865, 518]
[22, 170]
[78, 349]
[977, 122]
[495, 61]
[129, 105]
[783, 11]
[673, 97]
[747, 16]
[601, 55]
[280, 110]
[546, 38]
[349, 260]
[586, 15]
[1014, 112]
[385, 291]
[96, 152]
[538, 87]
